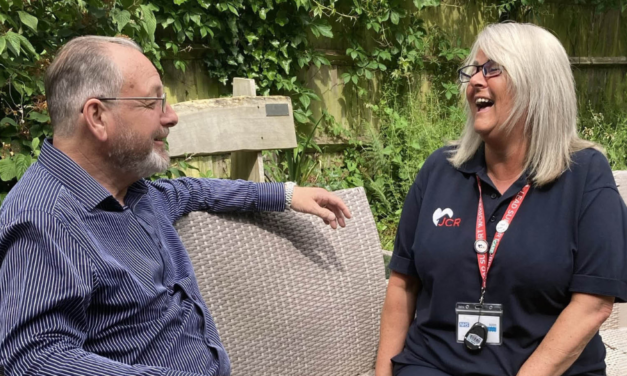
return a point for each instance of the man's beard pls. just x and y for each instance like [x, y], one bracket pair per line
[136, 156]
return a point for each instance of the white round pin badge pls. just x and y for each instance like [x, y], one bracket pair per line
[502, 226]
[481, 246]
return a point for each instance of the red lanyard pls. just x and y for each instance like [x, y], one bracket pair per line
[481, 245]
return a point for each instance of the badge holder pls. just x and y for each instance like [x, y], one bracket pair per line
[478, 325]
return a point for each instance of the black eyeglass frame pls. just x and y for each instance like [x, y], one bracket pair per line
[464, 78]
[163, 98]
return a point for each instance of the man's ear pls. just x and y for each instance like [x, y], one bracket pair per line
[97, 119]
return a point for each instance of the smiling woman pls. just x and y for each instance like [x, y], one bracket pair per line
[521, 183]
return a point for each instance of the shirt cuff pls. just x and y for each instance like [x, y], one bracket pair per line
[271, 197]
[599, 286]
[403, 265]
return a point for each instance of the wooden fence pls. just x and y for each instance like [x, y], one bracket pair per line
[594, 41]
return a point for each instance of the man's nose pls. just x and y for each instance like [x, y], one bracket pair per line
[169, 118]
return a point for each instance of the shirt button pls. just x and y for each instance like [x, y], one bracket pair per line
[493, 196]
[493, 218]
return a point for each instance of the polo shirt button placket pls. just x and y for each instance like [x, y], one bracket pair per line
[493, 196]
[493, 218]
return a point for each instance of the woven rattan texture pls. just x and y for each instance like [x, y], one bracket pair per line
[289, 295]
[615, 341]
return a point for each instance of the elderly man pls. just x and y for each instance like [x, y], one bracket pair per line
[94, 279]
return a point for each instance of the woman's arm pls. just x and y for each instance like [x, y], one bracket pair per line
[570, 334]
[397, 315]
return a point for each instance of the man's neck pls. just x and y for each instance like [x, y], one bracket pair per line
[85, 155]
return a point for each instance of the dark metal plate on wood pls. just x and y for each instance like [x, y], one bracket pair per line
[277, 109]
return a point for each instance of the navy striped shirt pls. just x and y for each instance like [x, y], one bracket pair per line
[91, 287]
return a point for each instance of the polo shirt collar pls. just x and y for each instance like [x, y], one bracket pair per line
[83, 186]
[477, 166]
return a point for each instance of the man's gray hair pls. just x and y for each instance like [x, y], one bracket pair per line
[82, 69]
[541, 82]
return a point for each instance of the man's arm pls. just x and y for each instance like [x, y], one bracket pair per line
[568, 337]
[45, 288]
[186, 195]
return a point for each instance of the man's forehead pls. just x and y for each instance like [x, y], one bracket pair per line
[136, 68]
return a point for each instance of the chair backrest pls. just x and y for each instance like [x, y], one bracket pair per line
[618, 319]
[289, 295]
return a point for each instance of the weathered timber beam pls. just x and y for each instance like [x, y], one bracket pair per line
[224, 125]
[611, 60]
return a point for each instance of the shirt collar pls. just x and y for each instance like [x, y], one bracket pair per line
[477, 166]
[82, 185]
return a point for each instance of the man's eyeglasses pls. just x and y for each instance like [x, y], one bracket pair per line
[162, 98]
[489, 69]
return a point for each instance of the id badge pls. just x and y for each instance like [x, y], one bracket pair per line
[468, 314]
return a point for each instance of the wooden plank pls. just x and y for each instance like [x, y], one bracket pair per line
[192, 84]
[244, 87]
[248, 165]
[224, 125]
[592, 60]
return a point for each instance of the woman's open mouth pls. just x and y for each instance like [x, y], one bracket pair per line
[483, 104]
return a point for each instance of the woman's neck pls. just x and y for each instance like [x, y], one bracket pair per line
[505, 164]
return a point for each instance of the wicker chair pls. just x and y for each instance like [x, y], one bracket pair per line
[289, 295]
[614, 331]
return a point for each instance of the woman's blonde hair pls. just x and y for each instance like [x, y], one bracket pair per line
[541, 82]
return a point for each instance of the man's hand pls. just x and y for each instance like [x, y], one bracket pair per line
[320, 202]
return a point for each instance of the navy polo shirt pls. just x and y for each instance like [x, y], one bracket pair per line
[568, 236]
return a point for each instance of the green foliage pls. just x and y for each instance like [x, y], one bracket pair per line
[412, 126]
[30, 33]
[608, 128]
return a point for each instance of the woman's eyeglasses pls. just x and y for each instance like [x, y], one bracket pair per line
[489, 69]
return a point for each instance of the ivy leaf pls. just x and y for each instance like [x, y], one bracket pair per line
[22, 163]
[14, 42]
[282, 19]
[38, 117]
[180, 2]
[196, 19]
[150, 22]
[121, 19]
[233, 10]
[394, 17]
[305, 100]
[385, 55]
[324, 30]
[400, 37]
[373, 65]
[8, 170]
[3, 44]
[346, 77]
[311, 95]
[7, 121]
[262, 13]
[355, 79]
[299, 115]
[35, 144]
[420, 4]
[28, 20]
[26, 44]
[271, 55]
[285, 64]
